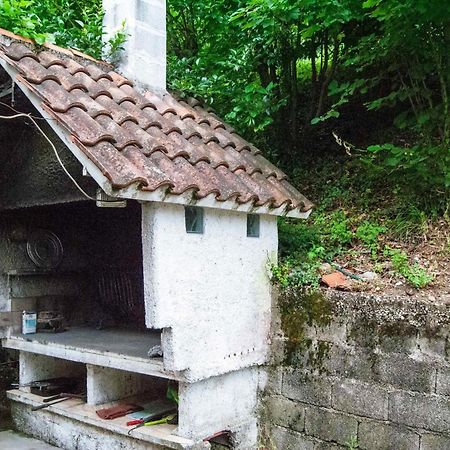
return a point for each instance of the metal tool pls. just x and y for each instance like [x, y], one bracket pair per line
[50, 401]
[51, 386]
[146, 423]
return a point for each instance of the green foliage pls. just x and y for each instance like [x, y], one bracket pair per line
[403, 65]
[368, 233]
[297, 237]
[336, 230]
[294, 272]
[67, 23]
[352, 443]
[274, 67]
[415, 274]
[249, 58]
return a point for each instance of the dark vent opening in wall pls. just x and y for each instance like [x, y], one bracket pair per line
[194, 218]
[253, 225]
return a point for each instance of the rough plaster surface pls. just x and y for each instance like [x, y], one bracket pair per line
[144, 57]
[210, 292]
[106, 385]
[71, 434]
[30, 175]
[34, 367]
[227, 402]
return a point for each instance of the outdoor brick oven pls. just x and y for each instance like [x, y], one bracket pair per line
[183, 265]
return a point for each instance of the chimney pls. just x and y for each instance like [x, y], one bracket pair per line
[144, 57]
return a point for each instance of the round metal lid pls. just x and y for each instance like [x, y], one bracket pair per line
[45, 249]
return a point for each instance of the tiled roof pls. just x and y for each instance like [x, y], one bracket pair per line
[145, 140]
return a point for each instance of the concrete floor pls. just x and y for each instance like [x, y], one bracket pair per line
[11, 440]
[121, 342]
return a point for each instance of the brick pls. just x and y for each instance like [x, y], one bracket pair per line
[329, 425]
[443, 382]
[286, 413]
[283, 439]
[435, 442]
[405, 373]
[431, 412]
[381, 436]
[362, 399]
[315, 391]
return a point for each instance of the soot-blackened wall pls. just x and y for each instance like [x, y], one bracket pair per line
[101, 272]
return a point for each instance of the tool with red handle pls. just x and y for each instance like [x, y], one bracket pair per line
[136, 422]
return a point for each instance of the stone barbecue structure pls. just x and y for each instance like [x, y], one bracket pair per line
[180, 269]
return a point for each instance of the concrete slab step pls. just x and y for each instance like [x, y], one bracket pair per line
[11, 440]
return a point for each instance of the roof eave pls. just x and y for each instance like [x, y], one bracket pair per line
[133, 191]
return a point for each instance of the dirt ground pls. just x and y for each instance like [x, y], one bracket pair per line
[431, 250]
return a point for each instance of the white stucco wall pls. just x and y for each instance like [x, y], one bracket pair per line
[227, 402]
[209, 292]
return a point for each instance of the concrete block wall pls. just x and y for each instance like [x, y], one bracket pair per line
[377, 372]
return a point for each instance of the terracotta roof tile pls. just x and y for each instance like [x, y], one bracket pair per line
[49, 59]
[16, 51]
[146, 139]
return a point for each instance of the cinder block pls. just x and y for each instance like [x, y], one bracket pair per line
[273, 380]
[405, 373]
[328, 446]
[335, 332]
[329, 425]
[404, 340]
[283, 439]
[362, 399]
[359, 364]
[443, 382]
[433, 346]
[363, 333]
[435, 442]
[430, 412]
[320, 358]
[381, 436]
[286, 413]
[334, 362]
[316, 391]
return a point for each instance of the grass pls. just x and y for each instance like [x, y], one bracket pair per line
[360, 219]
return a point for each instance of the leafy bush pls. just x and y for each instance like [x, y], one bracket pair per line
[73, 24]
